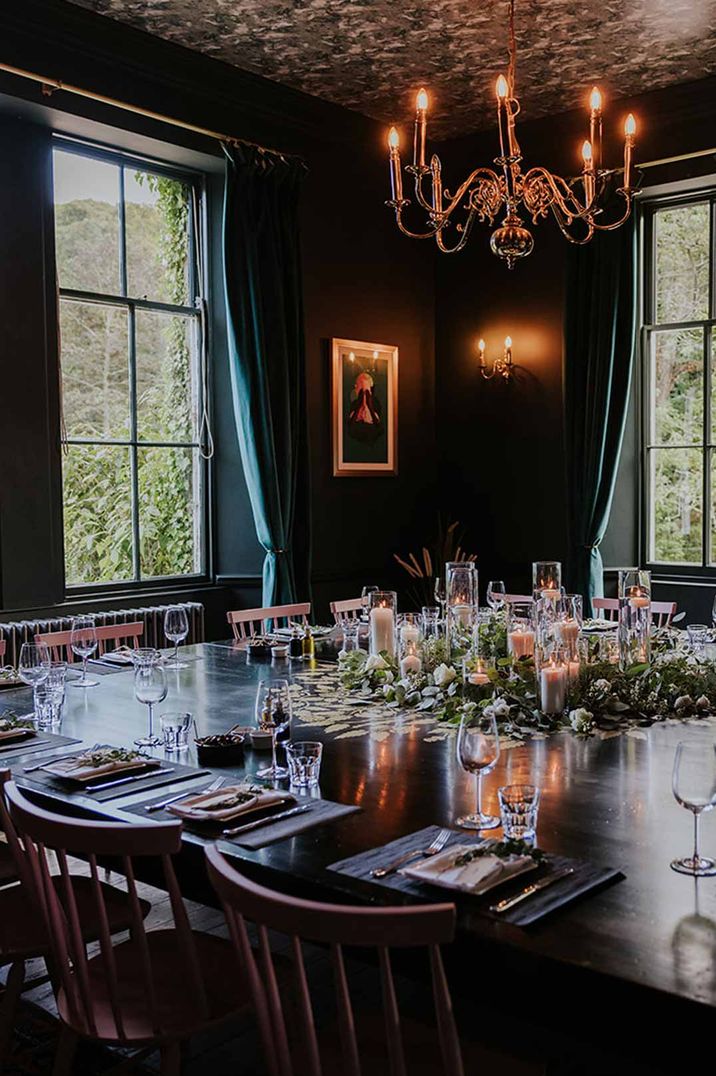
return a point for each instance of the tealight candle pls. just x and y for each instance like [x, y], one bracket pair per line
[553, 688]
[462, 614]
[478, 677]
[521, 642]
[382, 630]
[569, 631]
[409, 633]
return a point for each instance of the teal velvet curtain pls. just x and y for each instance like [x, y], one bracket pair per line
[262, 283]
[599, 330]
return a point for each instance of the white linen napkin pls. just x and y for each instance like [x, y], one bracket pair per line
[478, 876]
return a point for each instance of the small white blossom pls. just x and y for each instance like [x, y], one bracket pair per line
[684, 702]
[443, 675]
[500, 708]
[581, 720]
[602, 685]
[374, 662]
[703, 703]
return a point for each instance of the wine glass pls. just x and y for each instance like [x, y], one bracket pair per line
[273, 713]
[176, 629]
[713, 613]
[83, 641]
[478, 748]
[694, 786]
[440, 594]
[365, 600]
[495, 594]
[150, 687]
[33, 667]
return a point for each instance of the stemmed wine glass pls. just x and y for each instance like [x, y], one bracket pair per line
[440, 593]
[150, 687]
[694, 786]
[495, 594]
[365, 600]
[273, 713]
[33, 666]
[83, 640]
[478, 748]
[176, 629]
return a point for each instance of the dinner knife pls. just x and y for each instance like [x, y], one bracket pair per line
[136, 777]
[264, 821]
[510, 902]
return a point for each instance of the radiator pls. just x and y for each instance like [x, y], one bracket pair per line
[23, 631]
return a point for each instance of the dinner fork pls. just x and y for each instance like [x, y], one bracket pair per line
[436, 846]
[185, 795]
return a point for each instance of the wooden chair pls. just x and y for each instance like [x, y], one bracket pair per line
[661, 612]
[284, 1018]
[119, 634]
[516, 598]
[247, 622]
[23, 933]
[154, 990]
[347, 609]
[3, 648]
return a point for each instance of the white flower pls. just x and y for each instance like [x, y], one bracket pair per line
[684, 702]
[443, 675]
[581, 720]
[602, 685]
[389, 677]
[703, 703]
[375, 661]
[500, 708]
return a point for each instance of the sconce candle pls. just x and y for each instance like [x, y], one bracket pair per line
[503, 366]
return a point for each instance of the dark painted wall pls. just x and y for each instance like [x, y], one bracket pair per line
[361, 281]
[501, 446]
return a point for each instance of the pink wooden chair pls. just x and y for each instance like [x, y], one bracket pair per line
[347, 609]
[247, 622]
[662, 612]
[516, 598]
[23, 933]
[119, 634]
[154, 990]
[3, 648]
[376, 929]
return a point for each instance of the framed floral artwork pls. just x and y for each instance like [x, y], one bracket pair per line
[364, 380]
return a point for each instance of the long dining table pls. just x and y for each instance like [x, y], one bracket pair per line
[635, 961]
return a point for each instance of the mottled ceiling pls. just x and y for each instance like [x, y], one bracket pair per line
[371, 55]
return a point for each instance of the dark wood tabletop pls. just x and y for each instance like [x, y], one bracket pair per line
[642, 950]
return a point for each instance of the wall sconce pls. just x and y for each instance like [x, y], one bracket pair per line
[502, 366]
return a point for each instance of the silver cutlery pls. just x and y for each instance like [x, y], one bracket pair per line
[436, 846]
[185, 795]
[48, 762]
[265, 821]
[135, 777]
[510, 902]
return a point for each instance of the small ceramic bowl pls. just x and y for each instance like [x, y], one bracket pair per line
[260, 740]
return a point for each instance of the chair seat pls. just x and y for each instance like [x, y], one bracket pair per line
[179, 1015]
[22, 933]
[8, 871]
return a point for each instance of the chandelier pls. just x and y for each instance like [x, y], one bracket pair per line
[577, 204]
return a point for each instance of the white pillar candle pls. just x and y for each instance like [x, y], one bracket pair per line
[569, 631]
[462, 614]
[573, 670]
[411, 663]
[640, 601]
[409, 633]
[521, 642]
[553, 689]
[382, 630]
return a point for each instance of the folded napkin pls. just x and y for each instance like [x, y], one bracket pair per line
[121, 655]
[9, 731]
[227, 803]
[477, 876]
[78, 769]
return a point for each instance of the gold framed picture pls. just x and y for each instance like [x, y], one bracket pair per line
[364, 380]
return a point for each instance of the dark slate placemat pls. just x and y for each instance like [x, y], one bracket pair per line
[166, 775]
[321, 811]
[44, 741]
[587, 878]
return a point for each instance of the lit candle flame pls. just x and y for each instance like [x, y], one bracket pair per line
[595, 99]
[393, 138]
[587, 152]
[501, 87]
[481, 345]
[630, 126]
[421, 101]
[508, 342]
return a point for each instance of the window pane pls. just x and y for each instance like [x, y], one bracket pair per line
[86, 223]
[169, 511]
[167, 392]
[95, 378]
[677, 375]
[97, 514]
[682, 263]
[157, 216]
[676, 491]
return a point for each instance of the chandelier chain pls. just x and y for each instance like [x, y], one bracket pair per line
[512, 49]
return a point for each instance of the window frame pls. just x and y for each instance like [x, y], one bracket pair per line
[649, 328]
[199, 288]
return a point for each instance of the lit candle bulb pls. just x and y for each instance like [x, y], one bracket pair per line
[629, 133]
[481, 352]
[421, 114]
[396, 177]
[595, 125]
[508, 353]
[502, 90]
[588, 172]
